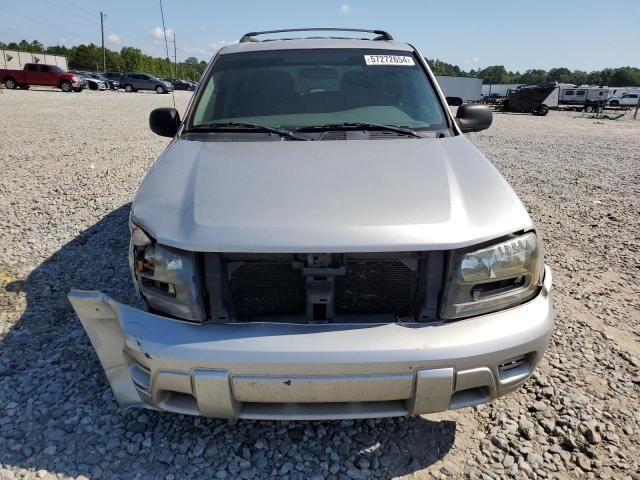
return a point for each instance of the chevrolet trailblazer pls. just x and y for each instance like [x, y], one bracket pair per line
[319, 240]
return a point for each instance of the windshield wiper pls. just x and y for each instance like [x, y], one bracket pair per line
[212, 127]
[361, 125]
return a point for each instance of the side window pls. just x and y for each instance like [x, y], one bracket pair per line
[32, 68]
[580, 92]
[206, 106]
[44, 68]
[568, 92]
[601, 93]
[145, 77]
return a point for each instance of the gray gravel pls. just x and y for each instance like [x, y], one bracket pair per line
[72, 162]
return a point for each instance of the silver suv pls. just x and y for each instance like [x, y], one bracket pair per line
[132, 82]
[320, 240]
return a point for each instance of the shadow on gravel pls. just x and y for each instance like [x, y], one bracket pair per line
[57, 412]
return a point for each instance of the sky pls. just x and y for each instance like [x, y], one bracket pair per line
[519, 34]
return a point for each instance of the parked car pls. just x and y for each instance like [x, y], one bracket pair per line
[132, 82]
[179, 84]
[320, 240]
[111, 84]
[92, 83]
[626, 100]
[112, 76]
[40, 74]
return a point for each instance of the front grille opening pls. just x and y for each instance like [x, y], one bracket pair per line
[267, 289]
[319, 311]
[336, 287]
[376, 287]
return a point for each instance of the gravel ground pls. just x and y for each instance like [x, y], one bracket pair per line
[70, 166]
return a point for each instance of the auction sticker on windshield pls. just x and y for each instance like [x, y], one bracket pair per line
[401, 60]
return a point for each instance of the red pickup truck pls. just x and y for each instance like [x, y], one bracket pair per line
[36, 74]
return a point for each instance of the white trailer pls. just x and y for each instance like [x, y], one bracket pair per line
[466, 89]
[574, 95]
[620, 91]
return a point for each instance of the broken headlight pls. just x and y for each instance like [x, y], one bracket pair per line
[493, 278]
[165, 276]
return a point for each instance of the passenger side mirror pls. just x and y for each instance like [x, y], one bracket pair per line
[473, 118]
[164, 121]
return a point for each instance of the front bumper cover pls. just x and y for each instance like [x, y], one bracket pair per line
[303, 371]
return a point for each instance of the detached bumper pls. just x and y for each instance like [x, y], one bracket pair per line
[300, 371]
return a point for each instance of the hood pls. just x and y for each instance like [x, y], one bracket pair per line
[326, 196]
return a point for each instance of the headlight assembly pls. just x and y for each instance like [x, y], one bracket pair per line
[166, 277]
[493, 278]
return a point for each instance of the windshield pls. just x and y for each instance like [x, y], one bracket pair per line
[303, 88]
[57, 69]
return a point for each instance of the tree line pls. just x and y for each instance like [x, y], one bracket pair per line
[129, 59]
[611, 77]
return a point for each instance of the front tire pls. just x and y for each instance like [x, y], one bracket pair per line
[159, 89]
[93, 86]
[128, 88]
[65, 86]
[10, 83]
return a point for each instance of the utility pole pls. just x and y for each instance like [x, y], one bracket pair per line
[104, 55]
[175, 56]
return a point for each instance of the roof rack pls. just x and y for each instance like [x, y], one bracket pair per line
[250, 37]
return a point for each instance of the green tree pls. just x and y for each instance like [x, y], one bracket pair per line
[624, 76]
[494, 74]
[24, 46]
[130, 59]
[37, 47]
[562, 75]
[86, 57]
[533, 76]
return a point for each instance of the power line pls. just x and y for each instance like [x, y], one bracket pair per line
[166, 46]
[78, 7]
[61, 6]
[52, 27]
[164, 30]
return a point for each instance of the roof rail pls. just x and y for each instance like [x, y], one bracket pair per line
[382, 35]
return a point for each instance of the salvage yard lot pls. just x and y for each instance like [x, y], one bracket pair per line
[71, 164]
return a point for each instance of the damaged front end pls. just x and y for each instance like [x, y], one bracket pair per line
[286, 287]
[166, 277]
[321, 336]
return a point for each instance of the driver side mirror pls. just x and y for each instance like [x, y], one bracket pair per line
[473, 118]
[164, 121]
